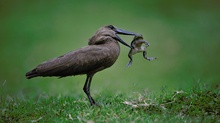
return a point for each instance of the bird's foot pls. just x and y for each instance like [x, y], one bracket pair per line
[95, 104]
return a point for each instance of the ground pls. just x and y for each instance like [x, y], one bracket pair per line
[198, 104]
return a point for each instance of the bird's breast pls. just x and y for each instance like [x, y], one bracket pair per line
[105, 57]
[114, 51]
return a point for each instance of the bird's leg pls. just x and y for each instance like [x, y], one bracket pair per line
[148, 58]
[86, 89]
[130, 62]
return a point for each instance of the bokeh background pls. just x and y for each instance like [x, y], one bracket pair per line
[184, 35]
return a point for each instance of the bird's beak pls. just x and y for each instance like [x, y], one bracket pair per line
[121, 41]
[123, 32]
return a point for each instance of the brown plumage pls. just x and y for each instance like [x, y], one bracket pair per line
[102, 52]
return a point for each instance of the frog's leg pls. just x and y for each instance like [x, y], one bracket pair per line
[148, 58]
[130, 57]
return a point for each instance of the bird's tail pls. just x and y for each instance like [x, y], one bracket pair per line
[31, 74]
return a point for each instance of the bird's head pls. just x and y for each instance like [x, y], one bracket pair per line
[107, 32]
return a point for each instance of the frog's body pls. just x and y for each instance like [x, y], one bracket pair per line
[137, 47]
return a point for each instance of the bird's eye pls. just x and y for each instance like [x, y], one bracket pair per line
[111, 27]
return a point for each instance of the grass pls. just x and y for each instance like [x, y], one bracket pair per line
[201, 103]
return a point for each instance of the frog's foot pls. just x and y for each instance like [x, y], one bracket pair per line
[147, 44]
[150, 58]
[129, 64]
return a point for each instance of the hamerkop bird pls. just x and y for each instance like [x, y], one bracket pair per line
[102, 52]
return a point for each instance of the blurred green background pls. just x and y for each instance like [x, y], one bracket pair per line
[184, 35]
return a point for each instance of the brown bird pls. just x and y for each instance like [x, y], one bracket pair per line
[102, 52]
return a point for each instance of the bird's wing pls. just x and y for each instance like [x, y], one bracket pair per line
[91, 58]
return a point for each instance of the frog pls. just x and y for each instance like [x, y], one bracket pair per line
[138, 45]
